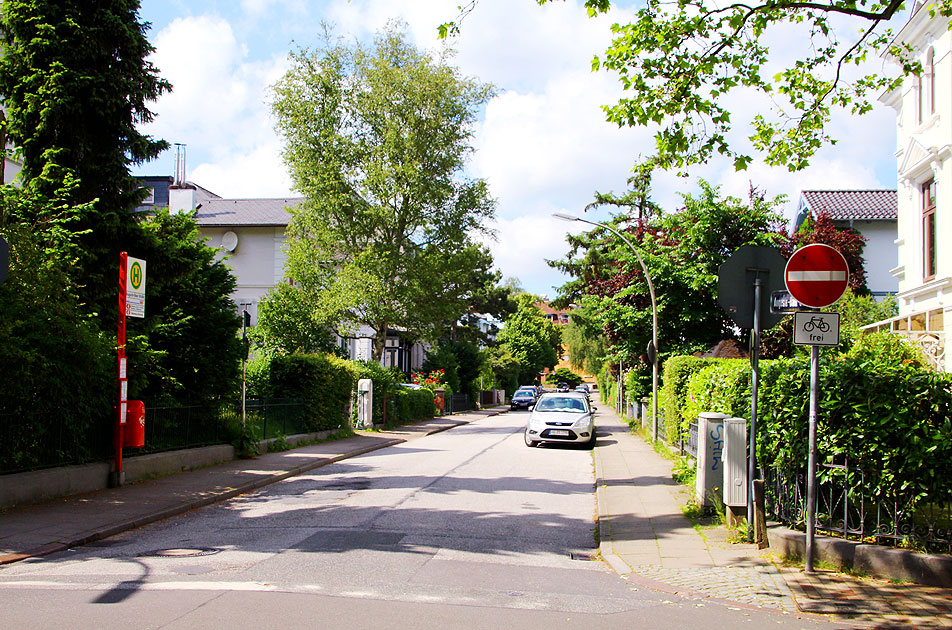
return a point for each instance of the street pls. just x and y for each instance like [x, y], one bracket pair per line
[465, 528]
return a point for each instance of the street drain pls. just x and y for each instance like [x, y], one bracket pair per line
[582, 556]
[182, 552]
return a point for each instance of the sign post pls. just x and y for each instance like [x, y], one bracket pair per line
[816, 276]
[132, 304]
[745, 283]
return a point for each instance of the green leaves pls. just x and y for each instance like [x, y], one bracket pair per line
[377, 139]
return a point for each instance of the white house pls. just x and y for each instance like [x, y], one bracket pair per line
[872, 213]
[923, 107]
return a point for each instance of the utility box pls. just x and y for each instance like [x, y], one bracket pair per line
[365, 403]
[710, 454]
[735, 462]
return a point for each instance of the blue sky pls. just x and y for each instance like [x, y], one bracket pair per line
[542, 142]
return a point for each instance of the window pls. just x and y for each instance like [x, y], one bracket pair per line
[930, 80]
[149, 196]
[928, 230]
[917, 88]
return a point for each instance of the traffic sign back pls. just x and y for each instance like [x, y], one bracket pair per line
[816, 275]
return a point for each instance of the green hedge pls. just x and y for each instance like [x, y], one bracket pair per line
[407, 405]
[879, 405]
[323, 380]
[678, 372]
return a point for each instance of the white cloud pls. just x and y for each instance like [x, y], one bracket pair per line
[542, 143]
[218, 105]
[524, 243]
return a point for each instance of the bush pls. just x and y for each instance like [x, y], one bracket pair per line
[879, 407]
[323, 380]
[674, 393]
[407, 405]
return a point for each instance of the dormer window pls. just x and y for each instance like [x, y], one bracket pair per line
[149, 197]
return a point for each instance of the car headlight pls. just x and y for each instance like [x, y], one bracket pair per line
[584, 421]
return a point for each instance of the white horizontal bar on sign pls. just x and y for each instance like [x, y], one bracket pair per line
[816, 276]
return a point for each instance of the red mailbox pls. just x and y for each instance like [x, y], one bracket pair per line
[133, 433]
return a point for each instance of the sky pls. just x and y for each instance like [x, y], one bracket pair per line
[542, 143]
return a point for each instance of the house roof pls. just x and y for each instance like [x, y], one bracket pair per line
[845, 205]
[245, 212]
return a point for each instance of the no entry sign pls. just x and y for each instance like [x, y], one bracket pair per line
[816, 275]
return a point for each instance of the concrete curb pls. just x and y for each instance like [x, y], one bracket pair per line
[874, 560]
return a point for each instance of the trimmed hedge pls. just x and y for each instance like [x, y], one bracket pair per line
[323, 380]
[676, 376]
[879, 405]
[407, 405]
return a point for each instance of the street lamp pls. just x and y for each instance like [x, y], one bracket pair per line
[653, 353]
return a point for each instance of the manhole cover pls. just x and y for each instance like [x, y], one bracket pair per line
[182, 552]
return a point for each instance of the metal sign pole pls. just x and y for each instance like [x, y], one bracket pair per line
[754, 380]
[811, 458]
[117, 475]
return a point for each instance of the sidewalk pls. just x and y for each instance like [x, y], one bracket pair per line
[43, 528]
[645, 537]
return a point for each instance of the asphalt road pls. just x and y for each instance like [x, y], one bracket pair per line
[462, 529]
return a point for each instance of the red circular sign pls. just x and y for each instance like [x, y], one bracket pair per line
[816, 275]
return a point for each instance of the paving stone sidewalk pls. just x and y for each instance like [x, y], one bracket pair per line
[645, 536]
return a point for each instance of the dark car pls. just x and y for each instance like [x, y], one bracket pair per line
[522, 399]
[563, 387]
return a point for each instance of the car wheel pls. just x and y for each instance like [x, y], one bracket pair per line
[530, 442]
[591, 440]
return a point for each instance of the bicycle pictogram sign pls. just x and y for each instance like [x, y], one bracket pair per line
[816, 323]
[816, 329]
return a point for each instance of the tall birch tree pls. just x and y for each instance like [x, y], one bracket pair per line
[376, 139]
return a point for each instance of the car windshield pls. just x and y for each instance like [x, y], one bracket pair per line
[561, 404]
[524, 395]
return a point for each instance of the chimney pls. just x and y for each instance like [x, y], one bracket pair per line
[181, 193]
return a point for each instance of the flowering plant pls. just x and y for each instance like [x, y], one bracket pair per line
[431, 380]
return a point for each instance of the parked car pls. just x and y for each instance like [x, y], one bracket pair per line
[522, 399]
[563, 387]
[529, 388]
[561, 417]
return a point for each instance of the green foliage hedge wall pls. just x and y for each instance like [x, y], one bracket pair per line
[879, 405]
[323, 380]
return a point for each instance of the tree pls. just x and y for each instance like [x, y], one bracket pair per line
[682, 252]
[187, 346]
[376, 140]
[678, 62]
[531, 339]
[290, 322]
[75, 83]
[55, 366]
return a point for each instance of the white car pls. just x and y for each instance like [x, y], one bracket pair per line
[561, 417]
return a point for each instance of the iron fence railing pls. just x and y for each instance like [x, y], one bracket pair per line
[39, 441]
[690, 445]
[456, 403]
[851, 504]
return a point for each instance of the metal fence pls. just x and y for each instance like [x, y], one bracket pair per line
[689, 447]
[456, 403]
[39, 441]
[851, 505]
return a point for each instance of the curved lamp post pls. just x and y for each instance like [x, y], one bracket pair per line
[654, 315]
